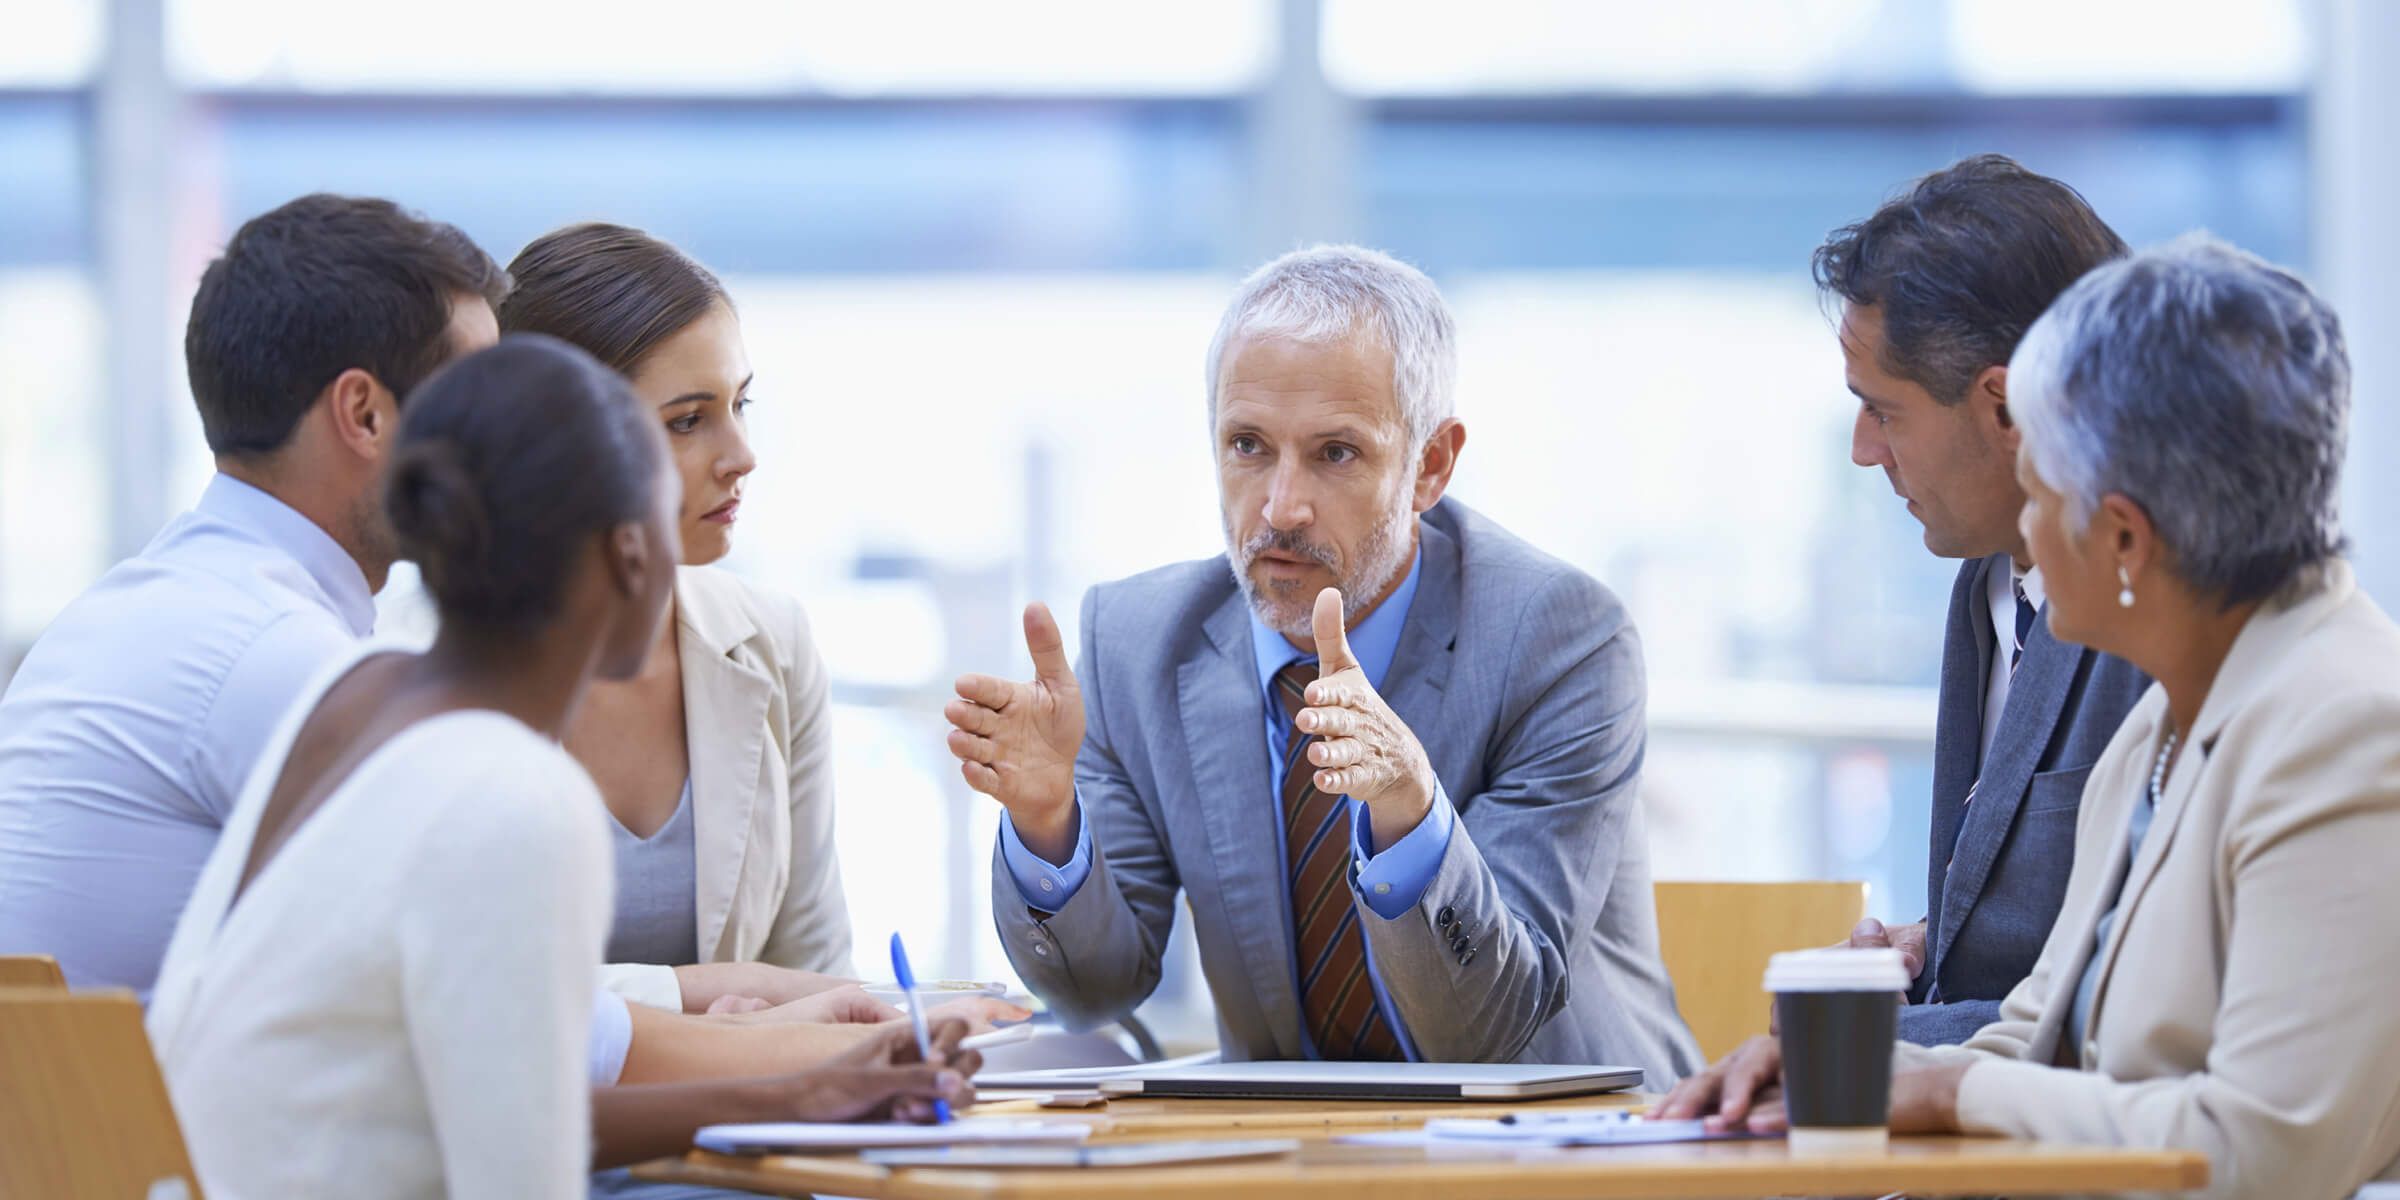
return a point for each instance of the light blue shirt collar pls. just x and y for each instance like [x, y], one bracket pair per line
[1375, 641]
[280, 525]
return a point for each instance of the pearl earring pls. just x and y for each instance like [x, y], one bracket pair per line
[2125, 586]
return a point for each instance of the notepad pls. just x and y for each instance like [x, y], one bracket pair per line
[799, 1138]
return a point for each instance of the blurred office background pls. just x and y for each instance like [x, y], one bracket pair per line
[979, 249]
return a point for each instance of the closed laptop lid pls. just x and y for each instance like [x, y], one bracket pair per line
[1376, 1080]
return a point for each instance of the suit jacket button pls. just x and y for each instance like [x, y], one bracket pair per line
[1042, 949]
[1442, 919]
[1469, 956]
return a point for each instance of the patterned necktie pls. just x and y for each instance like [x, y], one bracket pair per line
[2024, 625]
[2016, 654]
[1336, 997]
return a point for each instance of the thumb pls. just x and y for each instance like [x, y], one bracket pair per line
[1333, 643]
[1048, 649]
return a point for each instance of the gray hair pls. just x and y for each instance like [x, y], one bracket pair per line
[1328, 293]
[2209, 387]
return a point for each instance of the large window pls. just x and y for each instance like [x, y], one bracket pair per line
[979, 250]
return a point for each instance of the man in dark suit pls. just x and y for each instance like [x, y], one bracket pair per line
[1936, 289]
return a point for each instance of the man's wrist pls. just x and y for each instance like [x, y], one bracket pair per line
[1397, 813]
[1052, 835]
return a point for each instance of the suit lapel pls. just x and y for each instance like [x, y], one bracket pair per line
[1223, 724]
[2036, 698]
[1420, 669]
[1958, 726]
[725, 704]
[2182, 780]
[2141, 725]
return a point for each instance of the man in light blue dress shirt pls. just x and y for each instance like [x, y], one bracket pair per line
[128, 731]
[1388, 752]
[132, 728]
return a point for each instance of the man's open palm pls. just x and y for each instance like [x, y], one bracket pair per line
[1016, 741]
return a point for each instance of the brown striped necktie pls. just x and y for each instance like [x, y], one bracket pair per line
[1336, 997]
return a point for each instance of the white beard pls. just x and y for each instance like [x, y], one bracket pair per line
[1289, 608]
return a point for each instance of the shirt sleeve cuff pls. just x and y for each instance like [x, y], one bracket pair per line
[612, 1037]
[1392, 882]
[1045, 886]
[644, 983]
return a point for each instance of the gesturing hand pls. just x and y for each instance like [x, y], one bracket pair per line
[1362, 749]
[1016, 742]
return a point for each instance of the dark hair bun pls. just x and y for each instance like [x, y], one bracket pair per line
[437, 513]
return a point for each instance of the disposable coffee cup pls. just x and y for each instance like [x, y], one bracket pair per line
[1838, 1010]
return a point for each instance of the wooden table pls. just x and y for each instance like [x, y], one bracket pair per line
[1322, 1167]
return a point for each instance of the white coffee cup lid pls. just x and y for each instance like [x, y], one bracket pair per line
[1837, 969]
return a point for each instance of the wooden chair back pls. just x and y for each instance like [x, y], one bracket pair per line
[83, 1108]
[1716, 938]
[30, 970]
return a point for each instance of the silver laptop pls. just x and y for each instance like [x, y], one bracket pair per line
[1372, 1081]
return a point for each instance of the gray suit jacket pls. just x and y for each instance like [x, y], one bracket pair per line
[1523, 679]
[1991, 906]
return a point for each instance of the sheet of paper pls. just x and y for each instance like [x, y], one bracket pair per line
[785, 1137]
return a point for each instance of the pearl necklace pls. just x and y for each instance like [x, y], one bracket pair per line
[2158, 773]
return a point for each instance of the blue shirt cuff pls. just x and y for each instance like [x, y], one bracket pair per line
[1392, 882]
[1043, 885]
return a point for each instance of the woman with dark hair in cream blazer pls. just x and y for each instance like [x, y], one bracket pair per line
[2221, 976]
[716, 760]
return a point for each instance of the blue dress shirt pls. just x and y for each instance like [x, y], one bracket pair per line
[128, 731]
[1389, 883]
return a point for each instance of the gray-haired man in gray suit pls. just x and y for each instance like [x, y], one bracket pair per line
[1390, 753]
[1937, 287]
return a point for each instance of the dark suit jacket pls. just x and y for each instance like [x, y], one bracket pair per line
[1991, 903]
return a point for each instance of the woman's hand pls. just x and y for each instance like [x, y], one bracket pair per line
[845, 1005]
[1925, 1098]
[718, 988]
[1743, 1092]
[886, 1078]
[981, 1013]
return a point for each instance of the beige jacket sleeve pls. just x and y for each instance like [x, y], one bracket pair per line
[2298, 1047]
[812, 929]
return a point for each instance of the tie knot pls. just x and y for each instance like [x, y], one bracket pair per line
[1291, 685]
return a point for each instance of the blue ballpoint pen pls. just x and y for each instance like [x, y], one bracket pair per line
[907, 980]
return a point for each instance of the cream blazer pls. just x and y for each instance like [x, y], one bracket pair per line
[756, 715]
[2248, 1004]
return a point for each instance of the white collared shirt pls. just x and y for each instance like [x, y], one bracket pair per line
[2000, 593]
